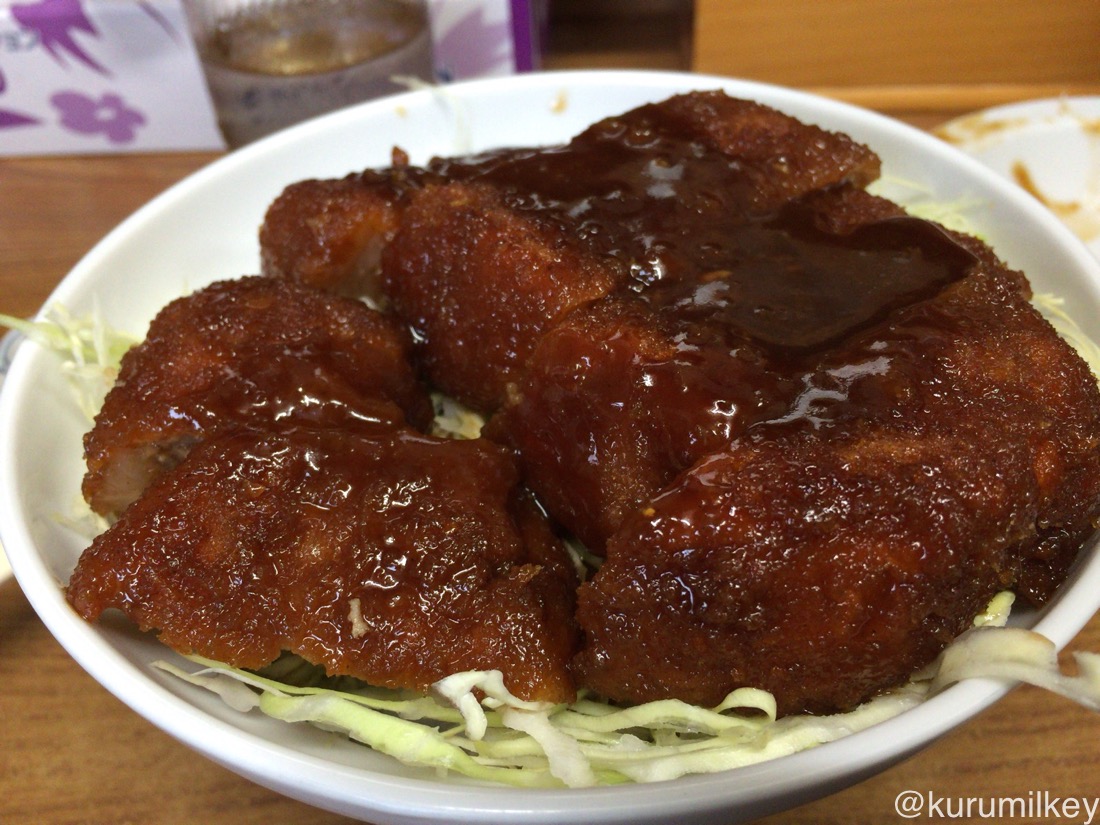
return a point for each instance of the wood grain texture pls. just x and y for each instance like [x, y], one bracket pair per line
[986, 51]
[54, 209]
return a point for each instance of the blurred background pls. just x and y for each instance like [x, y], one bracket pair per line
[102, 76]
[903, 58]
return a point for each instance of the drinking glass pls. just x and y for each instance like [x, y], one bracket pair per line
[272, 63]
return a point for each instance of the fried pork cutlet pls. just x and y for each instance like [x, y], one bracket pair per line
[620, 398]
[949, 451]
[395, 558]
[630, 391]
[250, 351]
[330, 233]
[489, 283]
[822, 571]
[491, 251]
[810, 434]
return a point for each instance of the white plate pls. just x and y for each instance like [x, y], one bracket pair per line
[1051, 148]
[205, 229]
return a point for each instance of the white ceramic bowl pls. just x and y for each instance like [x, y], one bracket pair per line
[205, 229]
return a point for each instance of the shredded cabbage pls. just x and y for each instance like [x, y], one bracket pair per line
[453, 419]
[1052, 307]
[919, 201]
[472, 725]
[90, 351]
[1020, 655]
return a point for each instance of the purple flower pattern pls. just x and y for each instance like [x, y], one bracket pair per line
[108, 115]
[56, 25]
[57, 22]
[10, 118]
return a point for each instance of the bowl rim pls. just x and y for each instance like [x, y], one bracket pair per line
[361, 792]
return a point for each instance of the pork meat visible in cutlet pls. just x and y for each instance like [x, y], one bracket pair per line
[329, 233]
[396, 558]
[245, 352]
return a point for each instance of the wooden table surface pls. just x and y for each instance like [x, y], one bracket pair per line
[71, 753]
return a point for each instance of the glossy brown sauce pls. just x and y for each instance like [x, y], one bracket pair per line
[682, 220]
[391, 556]
[738, 306]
